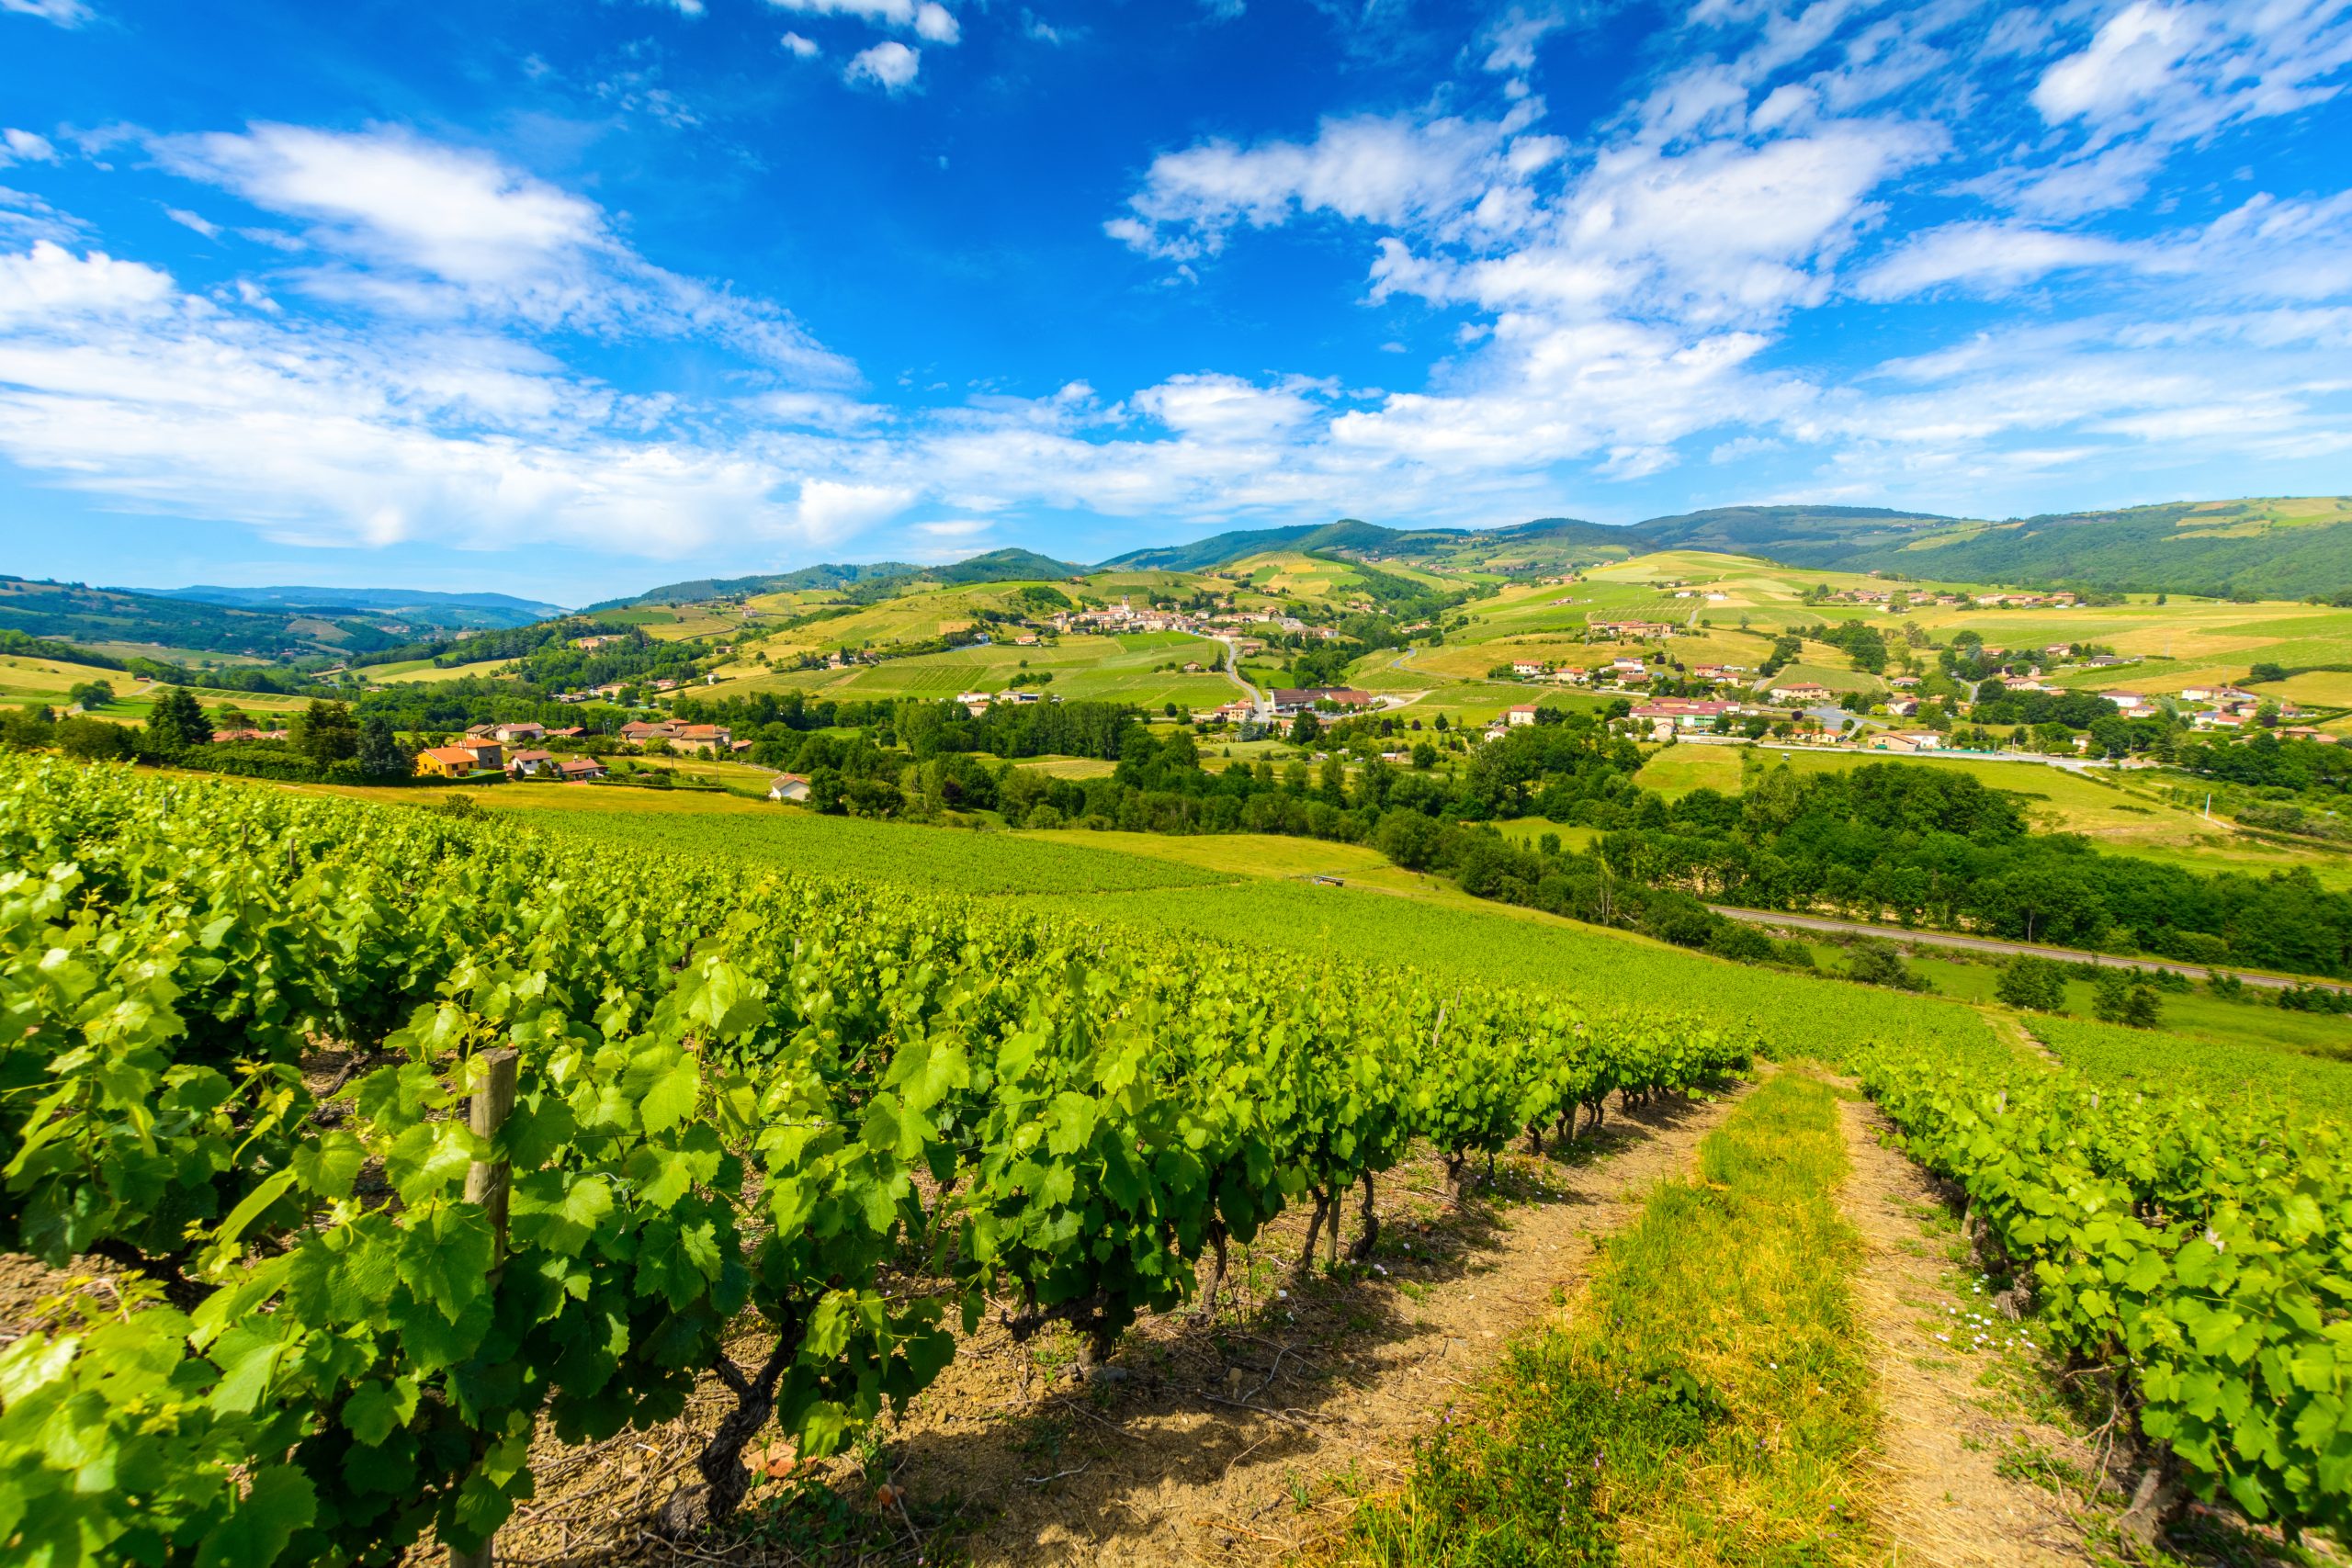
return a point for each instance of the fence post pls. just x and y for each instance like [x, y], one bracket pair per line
[486, 1184]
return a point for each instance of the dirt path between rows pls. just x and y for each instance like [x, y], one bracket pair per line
[1239, 1439]
[1941, 1492]
[1228, 1442]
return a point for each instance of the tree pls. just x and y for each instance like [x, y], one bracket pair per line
[2038, 985]
[1876, 963]
[325, 732]
[177, 721]
[90, 695]
[380, 753]
[94, 739]
[2111, 996]
[2265, 671]
[1305, 728]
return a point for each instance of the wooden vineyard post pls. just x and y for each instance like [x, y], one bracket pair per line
[486, 1183]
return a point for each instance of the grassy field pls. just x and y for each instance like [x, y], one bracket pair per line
[1674, 771]
[1121, 669]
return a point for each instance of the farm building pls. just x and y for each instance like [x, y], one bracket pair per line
[788, 787]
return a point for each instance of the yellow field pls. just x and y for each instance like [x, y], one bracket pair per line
[402, 674]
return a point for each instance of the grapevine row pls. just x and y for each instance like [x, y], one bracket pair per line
[2202, 1253]
[237, 1028]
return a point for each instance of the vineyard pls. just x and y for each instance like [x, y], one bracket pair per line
[397, 1140]
[249, 1044]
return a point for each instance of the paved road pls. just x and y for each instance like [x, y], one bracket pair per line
[1232, 670]
[1991, 944]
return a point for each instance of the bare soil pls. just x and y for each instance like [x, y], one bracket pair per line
[1950, 1431]
[1240, 1438]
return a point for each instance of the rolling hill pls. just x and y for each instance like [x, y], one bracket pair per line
[2284, 548]
[997, 566]
[415, 606]
[180, 624]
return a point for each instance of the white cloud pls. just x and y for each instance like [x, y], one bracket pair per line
[927, 18]
[64, 13]
[829, 510]
[936, 23]
[1386, 170]
[2178, 72]
[1226, 407]
[2131, 59]
[1511, 42]
[423, 228]
[802, 48]
[112, 383]
[50, 283]
[186, 219]
[25, 147]
[889, 65]
[1985, 258]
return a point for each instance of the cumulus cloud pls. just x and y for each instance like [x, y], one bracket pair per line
[1387, 170]
[889, 65]
[801, 48]
[49, 282]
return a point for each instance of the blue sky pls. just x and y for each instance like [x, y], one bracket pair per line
[568, 298]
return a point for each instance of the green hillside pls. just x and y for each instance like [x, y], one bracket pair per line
[2286, 548]
[169, 627]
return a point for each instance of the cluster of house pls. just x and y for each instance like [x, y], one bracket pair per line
[1627, 631]
[1124, 618]
[1289, 702]
[707, 739]
[610, 691]
[1616, 673]
[2060, 600]
[2230, 708]
[979, 703]
[470, 757]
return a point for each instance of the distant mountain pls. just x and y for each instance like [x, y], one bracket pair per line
[1351, 536]
[416, 605]
[170, 626]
